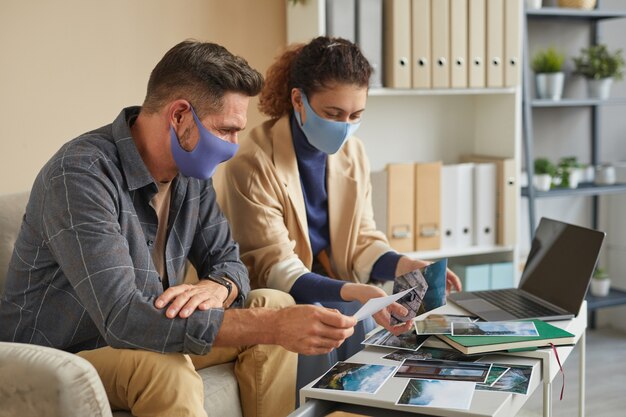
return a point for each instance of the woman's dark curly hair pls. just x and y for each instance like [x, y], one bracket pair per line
[312, 67]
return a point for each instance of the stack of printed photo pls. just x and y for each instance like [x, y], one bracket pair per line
[439, 323]
[437, 376]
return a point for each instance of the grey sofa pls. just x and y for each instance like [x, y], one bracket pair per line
[41, 381]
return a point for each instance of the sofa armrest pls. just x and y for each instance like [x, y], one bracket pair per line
[37, 380]
[12, 207]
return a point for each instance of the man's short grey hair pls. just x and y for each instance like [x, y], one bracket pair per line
[202, 73]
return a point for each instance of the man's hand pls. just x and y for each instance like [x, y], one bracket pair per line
[364, 292]
[186, 298]
[406, 264]
[311, 330]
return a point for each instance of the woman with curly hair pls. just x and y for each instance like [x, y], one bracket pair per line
[298, 193]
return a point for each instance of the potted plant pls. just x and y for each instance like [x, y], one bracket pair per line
[600, 283]
[547, 65]
[545, 170]
[569, 171]
[599, 67]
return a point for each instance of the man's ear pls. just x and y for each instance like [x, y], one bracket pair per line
[178, 110]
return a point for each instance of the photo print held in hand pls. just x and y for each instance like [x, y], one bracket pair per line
[429, 293]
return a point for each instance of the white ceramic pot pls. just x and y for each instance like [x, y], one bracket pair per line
[600, 287]
[574, 177]
[533, 4]
[600, 89]
[542, 182]
[589, 173]
[549, 85]
[605, 175]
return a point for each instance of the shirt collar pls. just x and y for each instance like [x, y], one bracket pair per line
[135, 171]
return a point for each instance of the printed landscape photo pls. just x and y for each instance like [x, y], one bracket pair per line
[355, 377]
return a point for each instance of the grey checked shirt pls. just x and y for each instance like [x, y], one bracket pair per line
[82, 275]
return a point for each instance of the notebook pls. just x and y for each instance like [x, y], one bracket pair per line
[554, 282]
[548, 334]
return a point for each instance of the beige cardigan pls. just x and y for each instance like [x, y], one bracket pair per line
[261, 195]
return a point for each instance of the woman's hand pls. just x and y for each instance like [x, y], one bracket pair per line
[364, 292]
[406, 264]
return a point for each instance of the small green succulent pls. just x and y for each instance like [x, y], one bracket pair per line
[548, 61]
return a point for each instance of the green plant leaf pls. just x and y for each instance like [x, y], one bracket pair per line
[548, 61]
[544, 166]
[596, 62]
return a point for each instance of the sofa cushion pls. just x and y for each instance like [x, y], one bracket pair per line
[221, 392]
[12, 208]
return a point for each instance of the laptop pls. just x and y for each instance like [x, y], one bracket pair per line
[554, 282]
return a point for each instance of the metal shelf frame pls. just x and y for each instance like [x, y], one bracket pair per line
[583, 190]
[562, 13]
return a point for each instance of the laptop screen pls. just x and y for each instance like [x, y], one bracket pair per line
[560, 263]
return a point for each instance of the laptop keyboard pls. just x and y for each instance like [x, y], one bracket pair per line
[513, 302]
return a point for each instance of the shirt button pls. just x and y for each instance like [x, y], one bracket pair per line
[150, 242]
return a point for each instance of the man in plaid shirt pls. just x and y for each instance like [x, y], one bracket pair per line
[98, 267]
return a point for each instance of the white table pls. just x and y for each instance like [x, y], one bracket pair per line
[484, 403]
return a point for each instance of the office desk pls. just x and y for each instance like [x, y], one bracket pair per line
[318, 402]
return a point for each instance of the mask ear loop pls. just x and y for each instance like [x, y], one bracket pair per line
[178, 117]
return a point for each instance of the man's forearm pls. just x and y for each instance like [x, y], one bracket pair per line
[250, 326]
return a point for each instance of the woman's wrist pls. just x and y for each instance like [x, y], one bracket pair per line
[349, 292]
[360, 292]
[406, 264]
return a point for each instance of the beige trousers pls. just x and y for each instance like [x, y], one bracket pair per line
[153, 384]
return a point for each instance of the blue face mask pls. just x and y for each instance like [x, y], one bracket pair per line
[326, 135]
[202, 161]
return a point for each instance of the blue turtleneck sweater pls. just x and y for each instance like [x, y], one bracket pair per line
[312, 287]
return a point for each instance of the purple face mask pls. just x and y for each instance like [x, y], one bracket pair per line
[202, 161]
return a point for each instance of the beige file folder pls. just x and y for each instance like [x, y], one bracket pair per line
[420, 21]
[400, 205]
[428, 206]
[506, 196]
[512, 42]
[458, 44]
[477, 30]
[495, 43]
[393, 199]
[440, 32]
[397, 41]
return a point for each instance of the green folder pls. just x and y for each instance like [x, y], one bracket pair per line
[484, 344]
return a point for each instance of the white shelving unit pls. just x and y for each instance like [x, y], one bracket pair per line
[413, 125]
